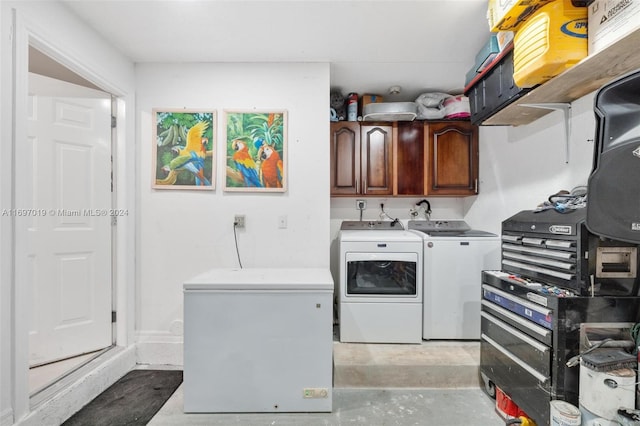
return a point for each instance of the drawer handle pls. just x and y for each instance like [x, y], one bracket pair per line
[523, 302]
[538, 269]
[515, 318]
[528, 340]
[515, 359]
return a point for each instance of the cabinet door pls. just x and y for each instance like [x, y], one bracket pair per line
[453, 158]
[410, 158]
[376, 160]
[345, 158]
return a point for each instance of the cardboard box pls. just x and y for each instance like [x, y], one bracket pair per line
[368, 99]
[610, 20]
[508, 15]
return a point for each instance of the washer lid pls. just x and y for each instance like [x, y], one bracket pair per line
[435, 226]
[364, 225]
[263, 279]
[472, 233]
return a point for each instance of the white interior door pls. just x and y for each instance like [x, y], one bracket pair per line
[65, 190]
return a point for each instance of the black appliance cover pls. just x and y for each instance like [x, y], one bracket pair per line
[613, 209]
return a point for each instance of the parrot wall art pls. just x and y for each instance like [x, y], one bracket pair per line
[256, 151]
[184, 149]
[245, 164]
[271, 170]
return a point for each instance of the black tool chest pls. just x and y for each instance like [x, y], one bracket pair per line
[555, 276]
[527, 337]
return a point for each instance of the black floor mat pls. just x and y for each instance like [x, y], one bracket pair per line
[132, 400]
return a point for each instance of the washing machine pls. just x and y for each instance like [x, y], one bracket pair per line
[380, 292]
[454, 257]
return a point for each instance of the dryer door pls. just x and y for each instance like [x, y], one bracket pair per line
[382, 275]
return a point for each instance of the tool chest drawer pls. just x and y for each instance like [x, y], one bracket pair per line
[533, 354]
[526, 387]
[537, 314]
[524, 325]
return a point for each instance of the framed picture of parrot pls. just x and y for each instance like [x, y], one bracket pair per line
[256, 144]
[184, 149]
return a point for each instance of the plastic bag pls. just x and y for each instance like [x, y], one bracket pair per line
[457, 107]
[431, 105]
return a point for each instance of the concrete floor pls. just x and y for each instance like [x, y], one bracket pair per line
[432, 364]
[359, 406]
[431, 384]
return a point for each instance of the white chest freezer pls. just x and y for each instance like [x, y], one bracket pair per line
[258, 340]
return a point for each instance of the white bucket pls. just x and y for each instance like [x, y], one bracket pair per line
[564, 414]
[590, 419]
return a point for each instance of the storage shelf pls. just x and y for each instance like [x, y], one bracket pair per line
[585, 77]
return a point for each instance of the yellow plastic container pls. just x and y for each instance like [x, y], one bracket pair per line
[509, 15]
[551, 41]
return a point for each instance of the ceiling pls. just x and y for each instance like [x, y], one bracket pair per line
[371, 45]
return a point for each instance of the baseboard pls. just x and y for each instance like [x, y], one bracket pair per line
[76, 390]
[158, 348]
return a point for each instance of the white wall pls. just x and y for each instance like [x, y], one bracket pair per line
[53, 30]
[184, 233]
[520, 167]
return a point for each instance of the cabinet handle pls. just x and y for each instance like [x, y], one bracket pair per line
[357, 186]
[476, 186]
[364, 186]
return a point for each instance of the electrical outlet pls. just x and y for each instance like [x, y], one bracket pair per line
[238, 221]
[361, 204]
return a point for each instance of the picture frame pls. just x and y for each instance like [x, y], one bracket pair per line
[184, 148]
[256, 150]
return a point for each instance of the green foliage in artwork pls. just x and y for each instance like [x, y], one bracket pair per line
[172, 127]
[171, 134]
[252, 127]
[166, 157]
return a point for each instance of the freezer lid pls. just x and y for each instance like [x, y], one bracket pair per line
[263, 279]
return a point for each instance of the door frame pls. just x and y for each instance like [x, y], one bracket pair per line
[25, 33]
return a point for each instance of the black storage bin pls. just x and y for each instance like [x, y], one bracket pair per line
[613, 209]
[493, 89]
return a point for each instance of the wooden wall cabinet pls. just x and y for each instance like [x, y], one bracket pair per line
[376, 161]
[361, 159]
[345, 158]
[453, 158]
[411, 162]
[416, 158]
